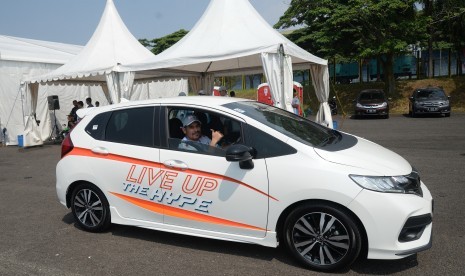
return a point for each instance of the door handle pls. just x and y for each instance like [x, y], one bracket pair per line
[100, 151]
[175, 164]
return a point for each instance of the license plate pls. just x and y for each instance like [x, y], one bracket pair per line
[371, 111]
[433, 109]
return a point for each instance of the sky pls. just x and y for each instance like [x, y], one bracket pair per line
[74, 21]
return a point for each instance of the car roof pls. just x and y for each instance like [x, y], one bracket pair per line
[188, 100]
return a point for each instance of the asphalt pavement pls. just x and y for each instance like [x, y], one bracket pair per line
[38, 235]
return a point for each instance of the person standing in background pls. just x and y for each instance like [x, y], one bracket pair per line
[295, 103]
[89, 102]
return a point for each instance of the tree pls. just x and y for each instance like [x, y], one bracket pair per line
[445, 22]
[355, 29]
[158, 45]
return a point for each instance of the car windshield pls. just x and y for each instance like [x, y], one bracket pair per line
[371, 96]
[295, 127]
[430, 95]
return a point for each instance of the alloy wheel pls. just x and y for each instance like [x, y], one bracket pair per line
[89, 209]
[320, 238]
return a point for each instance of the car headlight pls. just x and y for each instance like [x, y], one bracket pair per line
[359, 105]
[418, 104]
[409, 184]
[383, 104]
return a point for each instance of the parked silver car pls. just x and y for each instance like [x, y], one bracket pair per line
[430, 100]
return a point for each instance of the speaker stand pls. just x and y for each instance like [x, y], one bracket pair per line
[55, 138]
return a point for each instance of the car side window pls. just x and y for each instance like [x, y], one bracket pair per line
[205, 121]
[131, 126]
[265, 145]
[96, 127]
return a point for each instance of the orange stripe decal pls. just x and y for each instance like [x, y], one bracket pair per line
[86, 152]
[114, 157]
[184, 214]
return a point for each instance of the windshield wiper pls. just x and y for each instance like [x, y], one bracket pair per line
[334, 136]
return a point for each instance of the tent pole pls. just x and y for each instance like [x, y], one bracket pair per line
[281, 69]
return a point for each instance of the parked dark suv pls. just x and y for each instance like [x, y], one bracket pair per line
[431, 100]
[371, 102]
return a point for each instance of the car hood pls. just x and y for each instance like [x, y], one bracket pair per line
[361, 153]
[431, 100]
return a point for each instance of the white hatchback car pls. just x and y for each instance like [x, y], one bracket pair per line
[327, 196]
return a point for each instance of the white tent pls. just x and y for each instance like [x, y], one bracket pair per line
[19, 58]
[232, 37]
[97, 64]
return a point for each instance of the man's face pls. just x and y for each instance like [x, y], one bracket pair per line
[192, 131]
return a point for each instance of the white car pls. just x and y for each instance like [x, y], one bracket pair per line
[274, 178]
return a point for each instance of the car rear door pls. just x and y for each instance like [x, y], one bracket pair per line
[126, 161]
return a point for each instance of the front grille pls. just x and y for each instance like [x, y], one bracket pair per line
[431, 104]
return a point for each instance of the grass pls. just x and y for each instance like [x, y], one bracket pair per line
[346, 93]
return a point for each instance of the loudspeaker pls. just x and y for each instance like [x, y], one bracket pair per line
[53, 102]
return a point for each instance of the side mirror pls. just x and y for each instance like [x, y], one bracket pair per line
[242, 154]
[411, 98]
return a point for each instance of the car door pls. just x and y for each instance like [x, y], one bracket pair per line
[204, 191]
[126, 161]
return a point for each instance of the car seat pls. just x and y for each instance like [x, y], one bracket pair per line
[175, 126]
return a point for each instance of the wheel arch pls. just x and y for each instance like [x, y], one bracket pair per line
[73, 186]
[357, 221]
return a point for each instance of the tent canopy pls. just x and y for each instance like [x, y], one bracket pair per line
[111, 45]
[232, 37]
[30, 50]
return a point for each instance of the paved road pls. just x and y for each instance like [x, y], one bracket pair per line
[38, 236]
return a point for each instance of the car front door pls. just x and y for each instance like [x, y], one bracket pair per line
[201, 190]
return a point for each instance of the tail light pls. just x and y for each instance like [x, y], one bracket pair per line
[66, 145]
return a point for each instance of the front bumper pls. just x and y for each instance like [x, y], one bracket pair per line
[385, 217]
[371, 111]
[432, 109]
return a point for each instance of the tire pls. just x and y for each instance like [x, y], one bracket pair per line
[337, 248]
[448, 114]
[90, 208]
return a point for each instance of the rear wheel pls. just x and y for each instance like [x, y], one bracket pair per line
[90, 208]
[322, 237]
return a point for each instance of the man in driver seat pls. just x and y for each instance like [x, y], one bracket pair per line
[191, 126]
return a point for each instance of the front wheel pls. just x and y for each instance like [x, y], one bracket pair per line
[90, 208]
[322, 237]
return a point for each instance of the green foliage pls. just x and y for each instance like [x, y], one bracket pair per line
[158, 45]
[355, 29]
